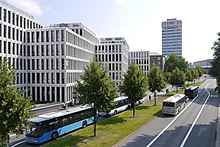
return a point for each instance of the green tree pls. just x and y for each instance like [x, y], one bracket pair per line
[200, 70]
[215, 69]
[174, 62]
[178, 78]
[167, 76]
[14, 108]
[96, 88]
[135, 84]
[189, 77]
[156, 81]
[195, 74]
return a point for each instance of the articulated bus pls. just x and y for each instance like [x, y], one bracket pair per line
[174, 104]
[120, 104]
[191, 91]
[51, 125]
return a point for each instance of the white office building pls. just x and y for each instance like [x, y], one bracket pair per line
[113, 54]
[57, 57]
[48, 60]
[142, 59]
[13, 25]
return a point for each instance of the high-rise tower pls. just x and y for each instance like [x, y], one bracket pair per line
[172, 37]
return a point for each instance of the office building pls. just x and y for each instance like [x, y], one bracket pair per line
[48, 60]
[172, 37]
[57, 57]
[113, 54]
[142, 59]
[13, 25]
[206, 62]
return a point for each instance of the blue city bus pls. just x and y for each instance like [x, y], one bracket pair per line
[50, 126]
[191, 91]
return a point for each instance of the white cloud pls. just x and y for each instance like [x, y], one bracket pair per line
[30, 6]
[121, 2]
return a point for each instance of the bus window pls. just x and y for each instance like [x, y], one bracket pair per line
[168, 104]
[33, 130]
[53, 125]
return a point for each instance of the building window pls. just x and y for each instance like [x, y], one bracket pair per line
[62, 63]
[52, 36]
[4, 15]
[38, 64]
[42, 50]
[42, 36]
[47, 49]
[52, 64]
[32, 37]
[5, 31]
[9, 16]
[21, 21]
[47, 36]
[62, 49]
[62, 35]
[38, 50]
[52, 50]
[57, 50]
[42, 64]
[57, 36]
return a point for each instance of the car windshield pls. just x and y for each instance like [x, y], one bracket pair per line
[33, 130]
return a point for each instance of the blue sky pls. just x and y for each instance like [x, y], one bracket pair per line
[139, 21]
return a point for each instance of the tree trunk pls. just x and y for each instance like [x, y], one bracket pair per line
[95, 119]
[133, 108]
[155, 99]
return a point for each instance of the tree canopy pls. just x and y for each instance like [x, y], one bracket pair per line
[167, 76]
[14, 108]
[134, 84]
[200, 70]
[156, 81]
[96, 88]
[215, 69]
[177, 78]
[174, 62]
[189, 76]
[195, 74]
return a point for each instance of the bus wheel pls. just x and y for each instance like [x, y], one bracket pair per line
[129, 106]
[54, 135]
[115, 112]
[84, 124]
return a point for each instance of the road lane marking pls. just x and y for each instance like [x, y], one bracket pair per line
[18, 143]
[171, 122]
[187, 135]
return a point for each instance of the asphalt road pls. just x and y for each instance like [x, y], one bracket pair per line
[193, 127]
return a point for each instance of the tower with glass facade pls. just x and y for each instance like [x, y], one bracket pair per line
[172, 37]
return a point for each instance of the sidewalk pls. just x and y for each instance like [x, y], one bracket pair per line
[47, 105]
[217, 142]
[163, 92]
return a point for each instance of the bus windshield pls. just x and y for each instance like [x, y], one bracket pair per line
[33, 130]
[168, 104]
